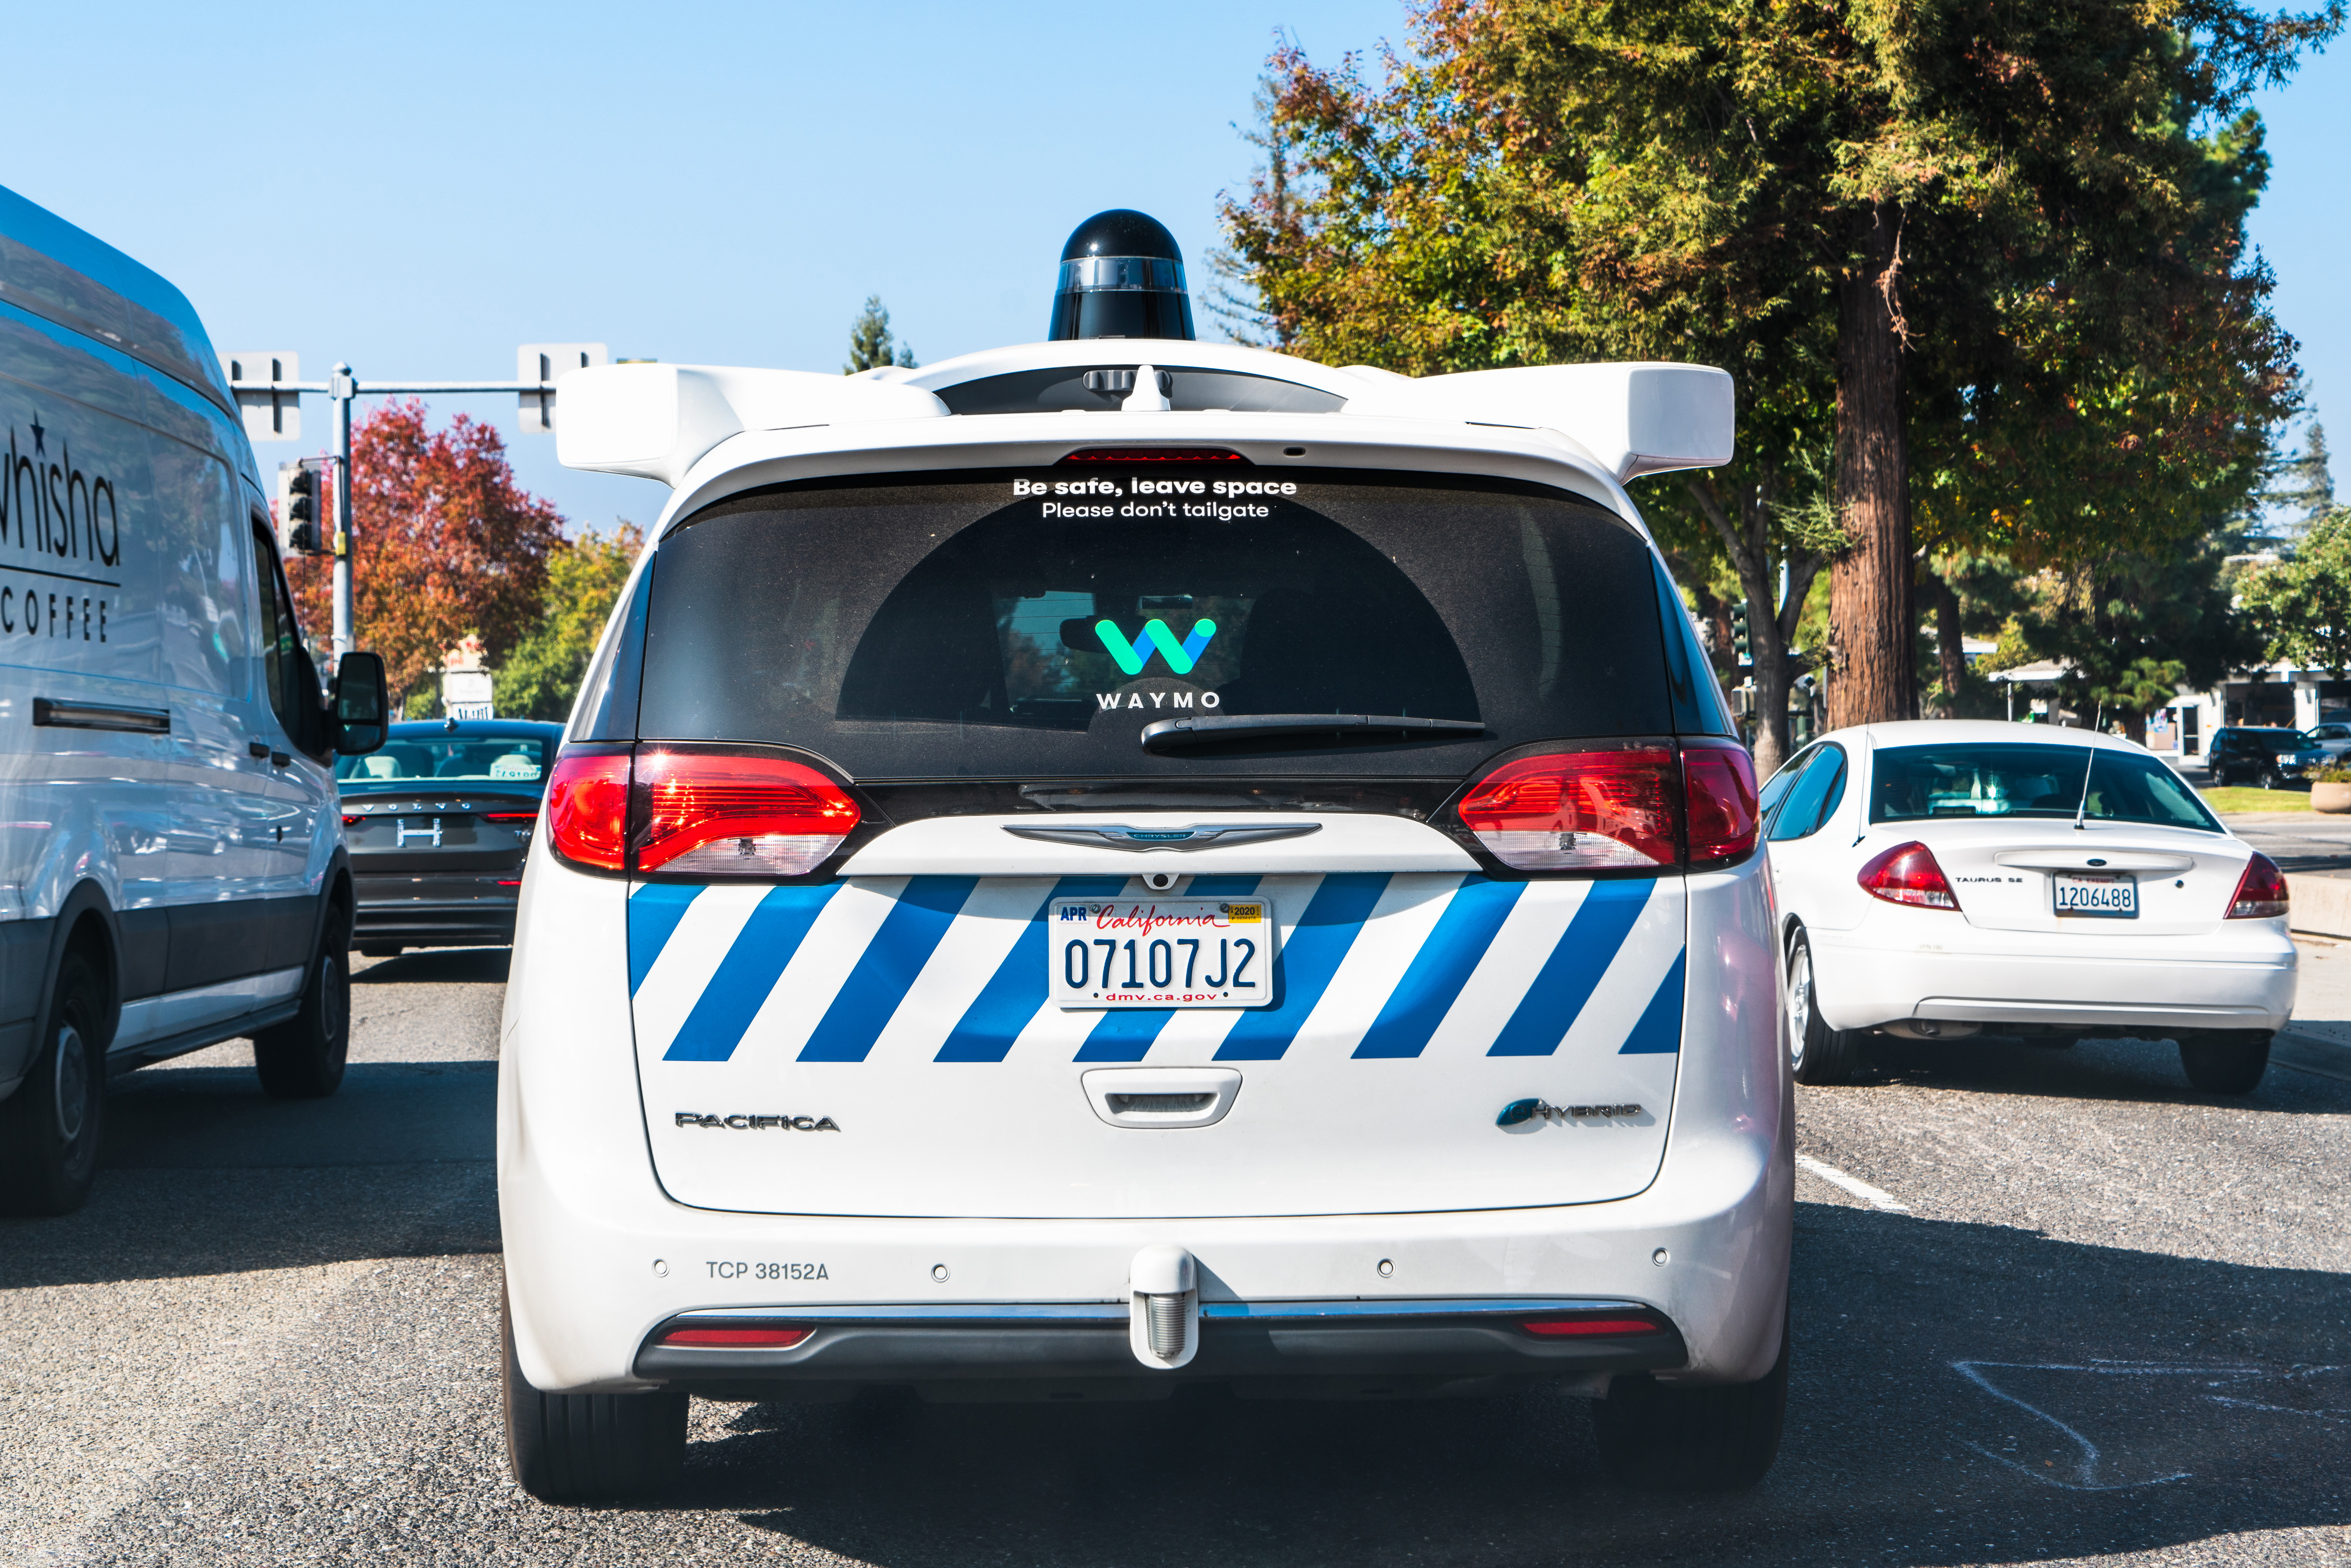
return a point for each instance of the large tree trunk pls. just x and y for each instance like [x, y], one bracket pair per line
[1869, 586]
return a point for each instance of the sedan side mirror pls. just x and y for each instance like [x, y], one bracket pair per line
[361, 704]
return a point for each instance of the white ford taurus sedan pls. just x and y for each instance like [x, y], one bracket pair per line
[1944, 879]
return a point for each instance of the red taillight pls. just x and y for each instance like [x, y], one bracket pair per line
[2261, 891]
[1578, 810]
[1561, 1328]
[1718, 784]
[1599, 811]
[510, 816]
[349, 821]
[749, 816]
[588, 809]
[1908, 873]
[752, 1339]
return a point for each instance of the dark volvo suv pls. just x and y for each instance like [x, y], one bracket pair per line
[438, 823]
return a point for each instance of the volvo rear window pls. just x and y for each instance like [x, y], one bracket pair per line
[1017, 624]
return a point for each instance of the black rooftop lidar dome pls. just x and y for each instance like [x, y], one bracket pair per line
[1121, 276]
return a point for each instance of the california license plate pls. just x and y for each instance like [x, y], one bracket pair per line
[1161, 953]
[2113, 894]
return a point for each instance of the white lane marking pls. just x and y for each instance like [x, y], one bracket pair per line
[1875, 1196]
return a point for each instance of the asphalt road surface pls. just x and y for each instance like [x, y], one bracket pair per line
[2049, 1306]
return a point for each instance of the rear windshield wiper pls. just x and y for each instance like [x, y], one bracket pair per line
[1182, 734]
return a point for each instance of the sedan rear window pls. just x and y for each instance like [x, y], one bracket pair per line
[468, 759]
[1012, 624]
[1916, 782]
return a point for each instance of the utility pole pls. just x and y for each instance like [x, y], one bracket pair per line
[267, 417]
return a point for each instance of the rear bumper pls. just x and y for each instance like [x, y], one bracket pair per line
[434, 911]
[1863, 986]
[1339, 1347]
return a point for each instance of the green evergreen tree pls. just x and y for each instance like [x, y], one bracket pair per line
[2304, 488]
[870, 346]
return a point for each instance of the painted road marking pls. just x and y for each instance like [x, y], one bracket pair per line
[1876, 1198]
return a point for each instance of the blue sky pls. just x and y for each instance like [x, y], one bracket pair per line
[419, 189]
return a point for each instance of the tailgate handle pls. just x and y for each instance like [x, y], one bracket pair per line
[1161, 1097]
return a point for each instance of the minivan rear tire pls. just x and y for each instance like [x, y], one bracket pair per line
[2225, 1061]
[589, 1448]
[1817, 1054]
[1659, 1437]
[303, 1058]
[50, 1128]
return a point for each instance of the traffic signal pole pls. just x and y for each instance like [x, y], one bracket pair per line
[550, 361]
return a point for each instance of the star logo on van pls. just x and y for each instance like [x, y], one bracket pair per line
[39, 449]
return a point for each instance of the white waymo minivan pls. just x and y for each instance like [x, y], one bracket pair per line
[172, 866]
[1123, 864]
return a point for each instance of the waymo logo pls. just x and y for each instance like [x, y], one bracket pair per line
[1132, 656]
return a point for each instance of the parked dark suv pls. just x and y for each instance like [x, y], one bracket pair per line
[438, 823]
[2265, 759]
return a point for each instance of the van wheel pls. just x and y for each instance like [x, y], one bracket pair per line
[51, 1127]
[590, 1447]
[1816, 1053]
[303, 1058]
[2225, 1061]
[1663, 1438]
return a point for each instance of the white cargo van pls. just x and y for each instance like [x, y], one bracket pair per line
[172, 865]
[1124, 863]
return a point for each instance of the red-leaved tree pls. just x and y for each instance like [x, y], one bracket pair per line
[447, 544]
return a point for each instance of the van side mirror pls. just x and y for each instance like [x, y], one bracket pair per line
[361, 704]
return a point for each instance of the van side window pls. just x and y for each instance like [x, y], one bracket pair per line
[274, 621]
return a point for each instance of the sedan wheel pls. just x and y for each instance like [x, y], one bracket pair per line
[1816, 1053]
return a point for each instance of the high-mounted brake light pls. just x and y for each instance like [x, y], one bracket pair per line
[588, 809]
[1578, 810]
[737, 1339]
[1563, 1328]
[713, 814]
[2261, 892]
[1155, 454]
[1908, 873]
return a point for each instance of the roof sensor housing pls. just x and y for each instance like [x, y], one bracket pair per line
[1121, 276]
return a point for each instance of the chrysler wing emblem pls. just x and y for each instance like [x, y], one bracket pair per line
[1199, 836]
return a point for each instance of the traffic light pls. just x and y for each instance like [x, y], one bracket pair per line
[1739, 631]
[302, 505]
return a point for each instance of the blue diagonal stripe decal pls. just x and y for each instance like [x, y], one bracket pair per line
[748, 972]
[1659, 1032]
[654, 911]
[1441, 968]
[885, 971]
[1574, 969]
[1018, 989]
[1302, 969]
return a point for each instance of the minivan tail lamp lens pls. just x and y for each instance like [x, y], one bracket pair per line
[1720, 785]
[588, 809]
[1908, 873]
[699, 813]
[1156, 454]
[2260, 893]
[1591, 1328]
[735, 1338]
[1578, 810]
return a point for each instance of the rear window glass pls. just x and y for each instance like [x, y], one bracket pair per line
[467, 758]
[1007, 625]
[1994, 781]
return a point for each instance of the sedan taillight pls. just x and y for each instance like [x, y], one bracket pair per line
[2260, 893]
[1908, 873]
[1613, 810]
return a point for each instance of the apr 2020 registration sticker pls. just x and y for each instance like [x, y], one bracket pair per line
[1164, 952]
